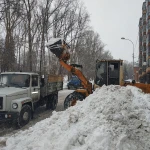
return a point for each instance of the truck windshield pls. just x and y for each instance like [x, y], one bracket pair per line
[15, 80]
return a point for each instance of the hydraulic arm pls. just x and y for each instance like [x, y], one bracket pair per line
[60, 48]
[85, 83]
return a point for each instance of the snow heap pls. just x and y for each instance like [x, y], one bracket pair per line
[112, 118]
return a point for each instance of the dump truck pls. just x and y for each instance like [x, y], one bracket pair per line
[21, 93]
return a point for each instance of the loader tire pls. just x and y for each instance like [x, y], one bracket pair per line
[72, 98]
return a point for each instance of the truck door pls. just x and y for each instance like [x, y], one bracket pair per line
[35, 88]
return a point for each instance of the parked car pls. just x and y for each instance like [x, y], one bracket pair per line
[74, 83]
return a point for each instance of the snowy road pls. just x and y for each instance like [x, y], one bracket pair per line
[39, 114]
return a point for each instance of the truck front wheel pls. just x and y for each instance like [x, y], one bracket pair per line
[25, 116]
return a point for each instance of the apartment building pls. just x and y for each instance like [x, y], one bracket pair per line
[144, 43]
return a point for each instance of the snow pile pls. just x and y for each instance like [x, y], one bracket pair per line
[112, 118]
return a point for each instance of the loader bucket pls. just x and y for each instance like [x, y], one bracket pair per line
[57, 46]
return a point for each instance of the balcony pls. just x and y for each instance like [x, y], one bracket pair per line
[144, 40]
[148, 3]
[148, 14]
[144, 30]
[148, 26]
[148, 39]
[148, 51]
[140, 22]
[144, 7]
[144, 20]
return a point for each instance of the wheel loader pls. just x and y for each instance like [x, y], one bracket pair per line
[107, 72]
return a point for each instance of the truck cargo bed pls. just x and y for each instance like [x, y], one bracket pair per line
[53, 83]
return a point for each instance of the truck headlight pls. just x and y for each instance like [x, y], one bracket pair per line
[14, 105]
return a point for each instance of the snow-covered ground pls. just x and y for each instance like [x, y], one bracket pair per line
[112, 118]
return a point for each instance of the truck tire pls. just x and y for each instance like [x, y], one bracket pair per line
[48, 102]
[25, 116]
[72, 98]
[54, 102]
[51, 102]
[68, 87]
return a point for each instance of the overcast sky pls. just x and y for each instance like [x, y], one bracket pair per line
[114, 19]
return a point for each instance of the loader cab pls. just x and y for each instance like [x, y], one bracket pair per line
[109, 72]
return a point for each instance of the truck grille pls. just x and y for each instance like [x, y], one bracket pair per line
[1, 102]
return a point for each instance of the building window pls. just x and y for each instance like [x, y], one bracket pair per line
[144, 39]
[149, 62]
[148, 22]
[144, 28]
[148, 36]
[148, 50]
[144, 48]
[149, 8]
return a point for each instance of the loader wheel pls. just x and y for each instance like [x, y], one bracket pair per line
[25, 116]
[72, 98]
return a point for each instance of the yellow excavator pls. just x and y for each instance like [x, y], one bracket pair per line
[60, 48]
[107, 72]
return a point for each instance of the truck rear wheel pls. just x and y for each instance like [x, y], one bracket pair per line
[54, 102]
[25, 116]
[48, 102]
[72, 98]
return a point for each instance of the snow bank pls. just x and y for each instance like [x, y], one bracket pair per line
[112, 118]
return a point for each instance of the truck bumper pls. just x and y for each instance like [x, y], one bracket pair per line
[8, 116]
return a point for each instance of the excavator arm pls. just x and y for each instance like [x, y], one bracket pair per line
[60, 48]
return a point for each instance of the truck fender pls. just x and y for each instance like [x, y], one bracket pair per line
[19, 103]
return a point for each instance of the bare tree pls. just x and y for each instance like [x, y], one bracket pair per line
[29, 6]
[10, 15]
[88, 50]
[1, 53]
[30, 23]
[128, 70]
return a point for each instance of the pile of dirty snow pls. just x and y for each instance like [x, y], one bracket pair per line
[112, 118]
